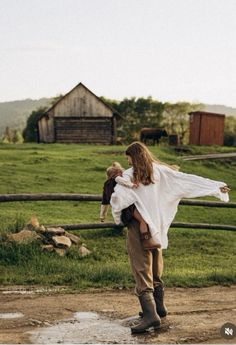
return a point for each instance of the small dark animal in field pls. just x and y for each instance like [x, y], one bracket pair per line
[152, 134]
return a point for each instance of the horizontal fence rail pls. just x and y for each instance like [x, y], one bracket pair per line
[231, 155]
[173, 225]
[93, 197]
[49, 196]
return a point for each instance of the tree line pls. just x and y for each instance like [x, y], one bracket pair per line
[137, 113]
[146, 112]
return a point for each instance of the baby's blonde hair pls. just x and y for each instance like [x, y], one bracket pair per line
[114, 170]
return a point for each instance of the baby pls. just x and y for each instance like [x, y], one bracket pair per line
[114, 176]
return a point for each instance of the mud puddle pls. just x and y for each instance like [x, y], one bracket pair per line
[90, 328]
[10, 315]
[31, 291]
[196, 315]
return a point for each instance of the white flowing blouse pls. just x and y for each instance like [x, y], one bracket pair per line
[158, 202]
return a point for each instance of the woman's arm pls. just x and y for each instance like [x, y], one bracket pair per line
[182, 185]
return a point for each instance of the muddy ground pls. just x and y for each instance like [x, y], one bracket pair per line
[195, 314]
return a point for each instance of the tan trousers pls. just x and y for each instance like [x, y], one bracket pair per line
[146, 265]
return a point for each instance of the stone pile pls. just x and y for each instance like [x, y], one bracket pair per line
[51, 239]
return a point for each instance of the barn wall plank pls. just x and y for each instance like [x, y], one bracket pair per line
[83, 131]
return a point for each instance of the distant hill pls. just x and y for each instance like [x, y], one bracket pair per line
[14, 114]
[221, 109]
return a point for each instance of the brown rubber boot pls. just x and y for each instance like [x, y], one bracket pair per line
[148, 242]
[159, 300]
[150, 316]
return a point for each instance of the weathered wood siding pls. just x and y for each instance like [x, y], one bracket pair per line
[194, 129]
[206, 128]
[46, 129]
[84, 130]
[212, 132]
[78, 117]
[81, 102]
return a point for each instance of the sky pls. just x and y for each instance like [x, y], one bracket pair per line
[172, 50]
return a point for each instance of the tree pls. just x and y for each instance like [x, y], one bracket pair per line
[30, 133]
[12, 136]
[7, 136]
[136, 113]
[230, 131]
[17, 137]
[176, 119]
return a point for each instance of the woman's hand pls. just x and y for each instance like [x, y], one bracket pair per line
[225, 189]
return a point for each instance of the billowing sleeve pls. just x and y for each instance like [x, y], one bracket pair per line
[122, 198]
[184, 185]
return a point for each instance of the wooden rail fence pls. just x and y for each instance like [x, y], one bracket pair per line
[92, 197]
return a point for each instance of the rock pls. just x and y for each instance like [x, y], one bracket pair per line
[46, 323]
[47, 248]
[46, 240]
[34, 221]
[61, 241]
[83, 251]
[32, 224]
[54, 231]
[74, 239]
[34, 322]
[29, 227]
[41, 229]
[24, 236]
[60, 251]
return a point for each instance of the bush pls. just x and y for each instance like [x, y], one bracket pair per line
[30, 132]
[230, 139]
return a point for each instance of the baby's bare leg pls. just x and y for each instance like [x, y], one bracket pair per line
[148, 242]
[142, 225]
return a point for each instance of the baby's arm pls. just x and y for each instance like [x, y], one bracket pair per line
[124, 182]
[103, 212]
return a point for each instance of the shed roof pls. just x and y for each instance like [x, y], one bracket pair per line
[198, 112]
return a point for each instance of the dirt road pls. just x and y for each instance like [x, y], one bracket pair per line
[195, 315]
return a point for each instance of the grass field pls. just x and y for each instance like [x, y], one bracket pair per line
[194, 257]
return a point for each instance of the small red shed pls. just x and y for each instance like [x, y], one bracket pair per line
[206, 128]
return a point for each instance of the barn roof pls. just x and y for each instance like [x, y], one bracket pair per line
[58, 101]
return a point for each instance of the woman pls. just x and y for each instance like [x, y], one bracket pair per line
[114, 176]
[160, 188]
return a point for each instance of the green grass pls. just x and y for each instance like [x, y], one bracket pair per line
[194, 257]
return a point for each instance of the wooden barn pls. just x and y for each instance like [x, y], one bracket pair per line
[78, 117]
[206, 128]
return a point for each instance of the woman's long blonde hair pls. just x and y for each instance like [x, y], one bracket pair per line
[142, 161]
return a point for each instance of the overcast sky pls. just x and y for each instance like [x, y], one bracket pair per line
[172, 50]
